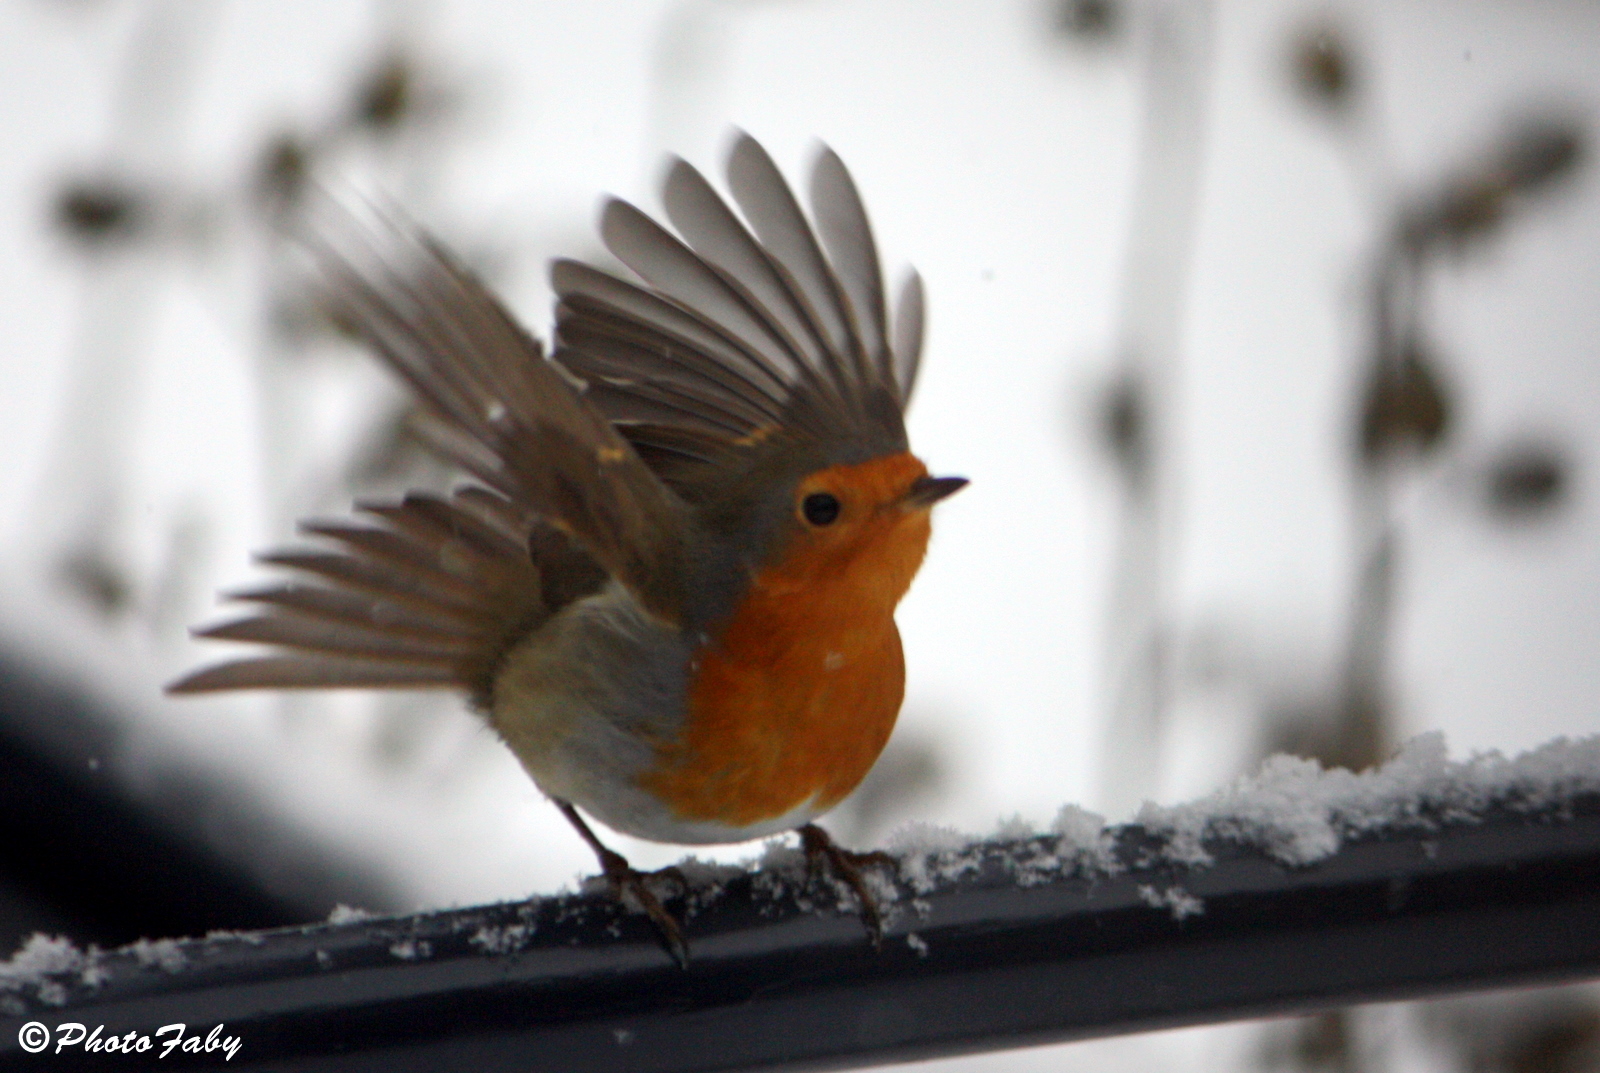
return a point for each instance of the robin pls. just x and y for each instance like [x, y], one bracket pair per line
[671, 587]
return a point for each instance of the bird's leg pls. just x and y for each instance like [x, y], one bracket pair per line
[821, 849]
[625, 878]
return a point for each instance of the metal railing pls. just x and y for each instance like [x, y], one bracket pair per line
[999, 954]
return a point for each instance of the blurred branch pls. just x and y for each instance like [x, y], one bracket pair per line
[113, 214]
[1406, 414]
[1406, 410]
[1137, 422]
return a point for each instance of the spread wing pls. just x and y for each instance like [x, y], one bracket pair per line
[746, 326]
[464, 571]
[428, 592]
[506, 415]
[761, 341]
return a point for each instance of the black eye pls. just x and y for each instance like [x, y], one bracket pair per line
[820, 508]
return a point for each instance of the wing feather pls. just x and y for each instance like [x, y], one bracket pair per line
[582, 288]
[680, 274]
[341, 607]
[424, 592]
[487, 381]
[744, 320]
[847, 237]
[313, 672]
[908, 327]
[715, 233]
[290, 630]
[770, 206]
[755, 342]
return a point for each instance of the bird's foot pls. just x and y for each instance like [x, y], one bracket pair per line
[627, 881]
[822, 851]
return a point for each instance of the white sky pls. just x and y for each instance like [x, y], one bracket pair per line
[999, 161]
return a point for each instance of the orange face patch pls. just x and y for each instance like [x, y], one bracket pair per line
[796, 699]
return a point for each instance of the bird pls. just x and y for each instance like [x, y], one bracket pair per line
[669, 579]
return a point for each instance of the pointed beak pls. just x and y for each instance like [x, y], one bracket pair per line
[926, 491]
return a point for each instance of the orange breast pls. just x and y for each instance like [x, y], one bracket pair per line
[796, 699]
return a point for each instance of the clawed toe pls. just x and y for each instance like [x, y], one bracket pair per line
[821, 851]
[628, 881]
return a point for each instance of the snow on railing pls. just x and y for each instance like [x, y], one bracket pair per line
[1292, 889]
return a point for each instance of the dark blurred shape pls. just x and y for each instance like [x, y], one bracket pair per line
[386, 97]
[94, 577]
[1552, 1031]
[1124, 425]
[1322, 67]
[1088, 20]
[1346, 733]
[80, 854]
[284, 167]
[1539, 151]
[99, 211]
[1527, 480]
[1322, 1043]
[1562, 1041]
[1405, 406]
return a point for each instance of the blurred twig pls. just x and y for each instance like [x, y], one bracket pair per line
[114, 217]
[1406, 414]
[1137, 418]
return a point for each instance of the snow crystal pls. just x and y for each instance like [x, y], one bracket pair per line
[43, 957]
[1086, 840]
[221, 935]
[917, 943]
[1179, 901]
[707, 875]
[506, 940]
[166, 953]
[1300, 813]
[411, 949]
[347, 914]
[1079, 843]
[930, 855]
[1014, 829]
[40, 956]
[926, 838]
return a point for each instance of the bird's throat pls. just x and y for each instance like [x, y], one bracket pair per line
[795, 700]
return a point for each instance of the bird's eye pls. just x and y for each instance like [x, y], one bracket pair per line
[820, 508]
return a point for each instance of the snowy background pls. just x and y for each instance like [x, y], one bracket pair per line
[1097, 194]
